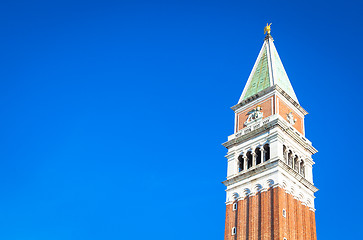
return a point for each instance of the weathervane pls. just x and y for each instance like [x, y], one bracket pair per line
[267, 29]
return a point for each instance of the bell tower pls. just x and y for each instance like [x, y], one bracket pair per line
[270, 188]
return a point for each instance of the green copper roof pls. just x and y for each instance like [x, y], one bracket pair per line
[279, 74]
[261, 78]
[267, 71]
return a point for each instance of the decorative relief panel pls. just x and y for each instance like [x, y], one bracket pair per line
[290, 118]
[254, 115]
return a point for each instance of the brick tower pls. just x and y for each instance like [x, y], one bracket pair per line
[270, 190]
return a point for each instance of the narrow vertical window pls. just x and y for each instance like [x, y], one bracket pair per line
[284, 212]
[234, 206]
[234, 231]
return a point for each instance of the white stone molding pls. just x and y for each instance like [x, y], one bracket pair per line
[292, 190]
[286, 154]
[284, 185]
[298, 165]
[267, 124]
[272, 174]
[270, 183]
[301, 197]
[254, 158]
[245, 159]
[235, 196]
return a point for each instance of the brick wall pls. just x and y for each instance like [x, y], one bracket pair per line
[284, 109]
[260, 217]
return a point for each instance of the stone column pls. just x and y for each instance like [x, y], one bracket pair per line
[263, 152]
[245, 159]
[302, 170]
[286, 156]
[232, 166]
[254, 155]
[298, 167]
[291, 159]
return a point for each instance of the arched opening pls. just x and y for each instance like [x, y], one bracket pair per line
[296, 163]
[270, 183]
[302, 168]
[234, 231]
[284, 151]
[290, 158]
[249, 159]
[267, 151]
[240, 163]
[258, 155]
[234, 206]
[258, 187]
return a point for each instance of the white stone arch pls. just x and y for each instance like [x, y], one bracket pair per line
[270, 183]
[284, 184]
[292, 190]
[240, 161]
[258, 188]
[246, 191]
[249, 149]
[301, 197]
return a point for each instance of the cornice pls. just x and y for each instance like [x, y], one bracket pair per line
[246, 133]
[297, 176]
[253, 97]
[270, 164]
[266, 125]
[279, 175]
[266, 91]
[290, 99]
[251, 172]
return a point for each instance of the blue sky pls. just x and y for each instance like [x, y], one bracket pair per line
[113, 112]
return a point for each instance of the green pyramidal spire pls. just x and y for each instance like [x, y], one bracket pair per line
[267, 71]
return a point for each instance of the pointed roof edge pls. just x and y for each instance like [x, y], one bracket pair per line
[264, 45]
[279, 73]
[274, 63]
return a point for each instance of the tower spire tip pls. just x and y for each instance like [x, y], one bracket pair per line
[267, 29]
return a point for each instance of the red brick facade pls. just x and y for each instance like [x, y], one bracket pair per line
[267, 109]
[284, 109]
[260, 217]
[271, 107]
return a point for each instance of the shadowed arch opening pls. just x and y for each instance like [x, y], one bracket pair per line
[249, 159]
[258, 155]
[302, 168]
[290, 158]
[266, 147]
[240, 163]
[285, 155]
[296, 163]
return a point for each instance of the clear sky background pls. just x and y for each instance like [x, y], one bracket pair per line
[113, 112]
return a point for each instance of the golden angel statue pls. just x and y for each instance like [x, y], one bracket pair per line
[267, 29]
